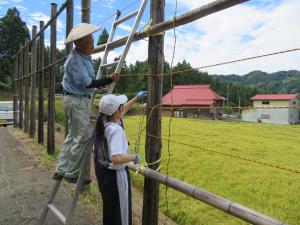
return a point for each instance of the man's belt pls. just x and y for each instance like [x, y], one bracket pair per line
[86, 96]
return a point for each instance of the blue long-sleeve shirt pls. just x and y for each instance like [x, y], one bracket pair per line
[79, 73]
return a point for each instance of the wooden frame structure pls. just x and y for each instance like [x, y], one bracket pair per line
[153, 146]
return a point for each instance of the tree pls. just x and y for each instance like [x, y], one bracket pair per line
[103, 37]
[13, 32]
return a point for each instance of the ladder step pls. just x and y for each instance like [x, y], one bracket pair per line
[126, 18]
[109, 64]
[59, 215]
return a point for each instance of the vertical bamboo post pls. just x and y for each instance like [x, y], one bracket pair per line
[20, 86]
[86, 18]
[26, 84]
[85, 11]
[15, 89]
[41, 86]
[51, 86]
[153, 145]
[33, 84]
[69, 46]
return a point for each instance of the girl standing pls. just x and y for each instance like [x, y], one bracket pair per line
[111, 155]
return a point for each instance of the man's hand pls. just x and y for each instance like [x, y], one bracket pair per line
[115, 77]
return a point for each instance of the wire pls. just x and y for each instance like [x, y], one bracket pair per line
[171, 117]
[216, 64]
[112, 15]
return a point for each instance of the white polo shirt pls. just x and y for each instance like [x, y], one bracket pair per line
[117, 142]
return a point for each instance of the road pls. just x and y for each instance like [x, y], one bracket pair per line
[24, 187]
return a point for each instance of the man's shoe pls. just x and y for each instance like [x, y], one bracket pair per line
[71, 180]
[57, 177]
[86, 181]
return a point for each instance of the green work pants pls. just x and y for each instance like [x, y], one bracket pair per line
[77, 109]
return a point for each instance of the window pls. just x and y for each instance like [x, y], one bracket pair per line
[6, 107]
[294, 103]
[265, 102]
[265, 116]
[178, 113]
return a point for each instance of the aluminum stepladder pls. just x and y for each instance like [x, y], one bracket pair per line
[86, 156]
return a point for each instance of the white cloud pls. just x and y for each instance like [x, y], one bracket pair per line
[109, 3]
[239, 32]
[4, 2]
[78, 7]
[60, 43]
[16, 1]
[39, 16]
[21, 8]
[124, 27]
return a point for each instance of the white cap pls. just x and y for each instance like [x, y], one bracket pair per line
[81, 30]
[110, 103]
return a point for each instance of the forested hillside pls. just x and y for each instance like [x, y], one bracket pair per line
[279, 82]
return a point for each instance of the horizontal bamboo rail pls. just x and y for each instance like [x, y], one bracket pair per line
[185, 18]
[213, 200]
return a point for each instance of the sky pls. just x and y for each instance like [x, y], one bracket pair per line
[249, 29]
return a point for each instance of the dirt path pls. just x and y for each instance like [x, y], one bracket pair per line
[22, 179]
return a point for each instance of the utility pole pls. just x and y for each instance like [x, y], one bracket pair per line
[239, 105]
[227, 101]
[153, 145]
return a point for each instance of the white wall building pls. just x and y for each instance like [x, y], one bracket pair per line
[273, 108]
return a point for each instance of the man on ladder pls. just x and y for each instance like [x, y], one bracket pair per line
[78, 84]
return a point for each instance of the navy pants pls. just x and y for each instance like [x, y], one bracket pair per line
[116, 195]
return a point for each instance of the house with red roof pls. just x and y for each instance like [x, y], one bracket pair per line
[273, 108]
[192, 101]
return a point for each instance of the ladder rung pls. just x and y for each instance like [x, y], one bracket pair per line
[126, 17]
[109, 64]
[59, 215]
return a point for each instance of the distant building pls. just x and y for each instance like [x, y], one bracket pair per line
[270, 108]
[188, 100]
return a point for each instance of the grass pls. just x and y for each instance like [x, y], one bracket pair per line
[268, 190]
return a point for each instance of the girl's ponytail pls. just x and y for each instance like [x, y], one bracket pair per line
[100, 126]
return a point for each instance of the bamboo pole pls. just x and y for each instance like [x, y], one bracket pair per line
[20, 87]
[33, 84]
[86, 18]
[85, 11]
[153, 145]
[41, 87]
[180, 20]
[15, 91]
[51, 86]
[26, 84]
[211, 199]
[69, 46]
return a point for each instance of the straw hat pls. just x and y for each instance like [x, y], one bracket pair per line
[81, 30]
